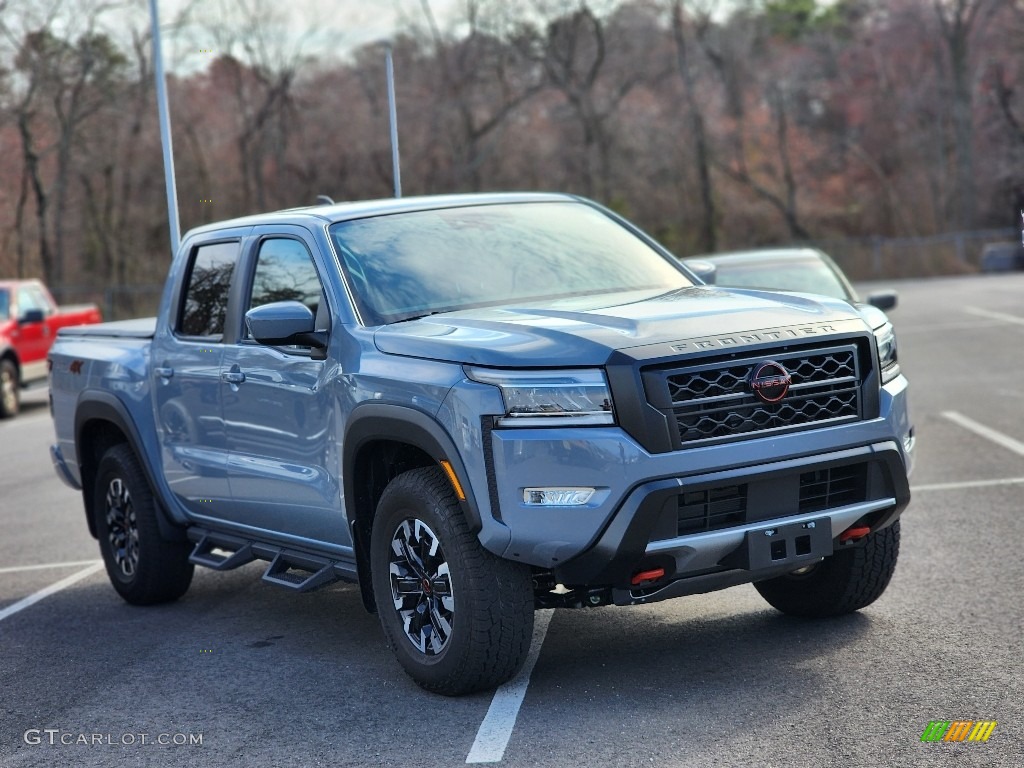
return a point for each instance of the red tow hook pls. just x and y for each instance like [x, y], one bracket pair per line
[852, 534]
[653, 575]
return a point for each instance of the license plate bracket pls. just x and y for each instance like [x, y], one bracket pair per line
[792, 544]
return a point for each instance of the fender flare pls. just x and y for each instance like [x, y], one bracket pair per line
[401, 424]
[97, 405]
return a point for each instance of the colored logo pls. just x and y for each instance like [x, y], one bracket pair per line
[770, 381]
[958, 730]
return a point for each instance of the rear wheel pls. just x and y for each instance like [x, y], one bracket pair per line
[845, 582]
[9, 394]
[143, 567]
[458, 618]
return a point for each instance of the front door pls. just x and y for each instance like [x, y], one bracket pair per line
[278, 416]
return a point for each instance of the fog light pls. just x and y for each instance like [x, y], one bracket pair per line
[557, 497]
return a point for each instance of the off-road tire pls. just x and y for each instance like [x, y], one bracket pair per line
[490, 621]
[845, 582]
[144, 568]
[10, 395]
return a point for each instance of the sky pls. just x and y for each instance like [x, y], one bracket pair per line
[322, 26]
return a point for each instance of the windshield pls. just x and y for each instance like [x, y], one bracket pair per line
[407, 265]
[804, 276]
[5, 304]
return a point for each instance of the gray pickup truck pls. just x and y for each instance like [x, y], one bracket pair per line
[475, 406]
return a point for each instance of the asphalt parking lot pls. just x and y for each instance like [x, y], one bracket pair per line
[239, 673]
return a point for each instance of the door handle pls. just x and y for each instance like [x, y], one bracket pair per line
[164, 372]
[233, 377]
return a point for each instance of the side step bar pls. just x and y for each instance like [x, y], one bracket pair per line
[204, 555]
[297, 571]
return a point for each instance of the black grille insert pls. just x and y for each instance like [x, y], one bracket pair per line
[833, 487]
[715, 401]
[712, 509]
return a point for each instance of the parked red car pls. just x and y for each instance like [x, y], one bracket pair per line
[29, 321]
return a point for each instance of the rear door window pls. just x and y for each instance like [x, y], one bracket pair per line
[205, 301]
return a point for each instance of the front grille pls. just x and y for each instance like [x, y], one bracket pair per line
[715, 401]
[833, 487]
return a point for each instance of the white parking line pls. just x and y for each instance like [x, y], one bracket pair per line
[45, 566]
[979, 312]
[496, 729]
[966, 484]
[47, 591]
[988, 433]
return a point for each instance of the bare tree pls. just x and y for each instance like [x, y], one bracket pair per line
[773, 180]
[961, 22]
[484, 79]
[685, 67]
[67, 80]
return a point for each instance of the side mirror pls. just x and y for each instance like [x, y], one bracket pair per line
[32, 316]
[285, 322]
[883, 299]
[705, 270]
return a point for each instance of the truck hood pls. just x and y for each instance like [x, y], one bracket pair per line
[586, 331]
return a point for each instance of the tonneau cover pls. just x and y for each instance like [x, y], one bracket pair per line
[141, 328]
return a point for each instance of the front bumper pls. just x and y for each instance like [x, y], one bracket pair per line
[630, 522]
[638, 539]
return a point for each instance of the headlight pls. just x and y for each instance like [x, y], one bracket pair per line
[550, 398]
[888, 363]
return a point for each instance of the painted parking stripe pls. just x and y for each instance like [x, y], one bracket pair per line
[496, 729]
[966, 484]
[47, 566]
[50, 590]
[988, 433]
[979, 312]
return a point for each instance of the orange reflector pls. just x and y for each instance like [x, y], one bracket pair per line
[854, 533]
[652, 575]
[447, 467]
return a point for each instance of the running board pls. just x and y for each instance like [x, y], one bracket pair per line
[298, 571]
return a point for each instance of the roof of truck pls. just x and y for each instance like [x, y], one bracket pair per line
[329, 214]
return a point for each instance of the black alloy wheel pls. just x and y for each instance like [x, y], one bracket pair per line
[421, 586]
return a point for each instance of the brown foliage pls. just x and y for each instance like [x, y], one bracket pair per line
[872, 119]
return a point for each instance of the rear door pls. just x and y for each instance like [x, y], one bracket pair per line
[186, 362]
[280, 430]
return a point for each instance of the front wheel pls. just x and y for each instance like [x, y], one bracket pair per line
[845, 582]
[458, 618]
[9, 395]
[144, 568]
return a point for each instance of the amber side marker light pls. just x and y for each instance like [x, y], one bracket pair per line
[447, 467]
[852, 534]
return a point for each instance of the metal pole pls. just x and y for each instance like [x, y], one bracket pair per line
[165, 130]
[393, 115]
